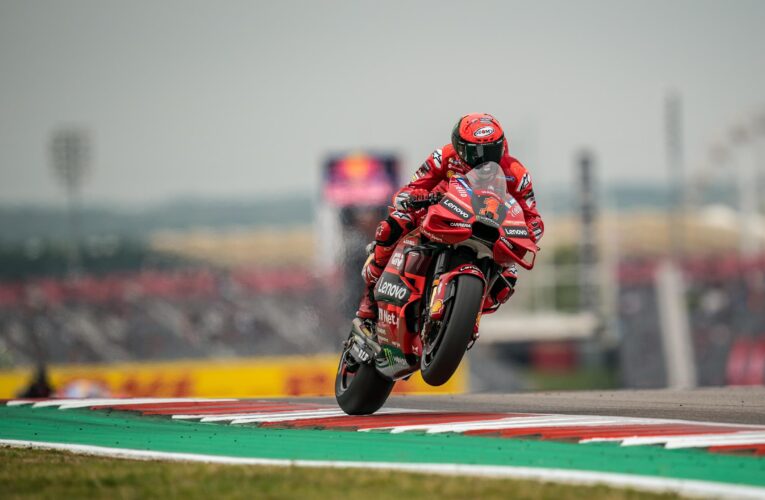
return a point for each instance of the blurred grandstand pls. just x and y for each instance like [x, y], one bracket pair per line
[154, 315]
[250, 291]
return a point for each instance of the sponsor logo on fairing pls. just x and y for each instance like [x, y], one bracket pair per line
[455, 208]
[462, 187]
[392, 290]
[516, 231]
[397, 259]
[432, 236]
[460, 224]
[394, 356]
[360, 354]
[388, 318]
[483, 132]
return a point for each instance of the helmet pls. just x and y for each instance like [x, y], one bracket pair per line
[478, 138]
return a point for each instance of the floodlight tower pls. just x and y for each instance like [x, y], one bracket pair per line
[742, 138]
[70, 161]
[758, 127]
[673, 116]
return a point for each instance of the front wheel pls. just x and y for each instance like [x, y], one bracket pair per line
[444, 348]
[359, 389]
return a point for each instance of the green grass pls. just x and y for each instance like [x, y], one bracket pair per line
[578, 380]
[28, 473]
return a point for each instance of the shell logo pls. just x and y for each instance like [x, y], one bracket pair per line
[436, 307]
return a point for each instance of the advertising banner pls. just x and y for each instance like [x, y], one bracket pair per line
[241, 377]
[360, 179]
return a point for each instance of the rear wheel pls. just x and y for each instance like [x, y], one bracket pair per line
[359, 389]
[445, 346]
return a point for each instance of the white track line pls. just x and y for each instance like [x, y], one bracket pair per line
[687, 440]
[65, 404]
[223, 417]
[517, 423]
[290, 418]
[706, 440]
[283, 415]
[307, 415]
[707, 489]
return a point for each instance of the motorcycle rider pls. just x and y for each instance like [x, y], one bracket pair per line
[476, 139]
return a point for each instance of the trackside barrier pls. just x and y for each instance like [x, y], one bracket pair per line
[746, 362]
[238, 377]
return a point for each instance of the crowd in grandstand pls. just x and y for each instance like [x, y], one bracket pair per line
[726, 302]
[165, 315]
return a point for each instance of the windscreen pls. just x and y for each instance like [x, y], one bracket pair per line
[488, 189]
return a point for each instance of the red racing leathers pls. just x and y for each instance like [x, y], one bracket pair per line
[433, 176]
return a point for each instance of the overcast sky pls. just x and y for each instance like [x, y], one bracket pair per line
[241, 98]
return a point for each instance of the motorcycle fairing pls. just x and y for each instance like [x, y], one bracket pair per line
[450, 221]
[400, 287]
[454, 219]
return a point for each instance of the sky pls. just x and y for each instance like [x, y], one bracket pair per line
[241, 99]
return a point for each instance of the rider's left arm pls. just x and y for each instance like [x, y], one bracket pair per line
[520, 186]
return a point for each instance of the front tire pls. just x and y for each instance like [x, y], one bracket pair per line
[448, 345]
[359, 389]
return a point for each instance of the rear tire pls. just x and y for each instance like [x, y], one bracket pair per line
[460, 318]
[362, 391]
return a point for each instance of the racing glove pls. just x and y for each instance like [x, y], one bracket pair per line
[413, 198]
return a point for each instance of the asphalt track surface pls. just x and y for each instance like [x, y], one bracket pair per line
[740, 405]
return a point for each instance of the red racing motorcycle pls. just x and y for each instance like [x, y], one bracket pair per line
[431, 293]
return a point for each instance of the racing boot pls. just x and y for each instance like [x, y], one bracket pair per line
[371, 272]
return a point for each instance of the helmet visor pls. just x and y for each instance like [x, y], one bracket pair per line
[475, 154]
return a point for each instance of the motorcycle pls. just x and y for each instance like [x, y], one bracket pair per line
[432, 290]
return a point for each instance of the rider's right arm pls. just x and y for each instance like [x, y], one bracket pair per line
[426, 177]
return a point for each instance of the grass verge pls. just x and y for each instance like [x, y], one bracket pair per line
[29, 473]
